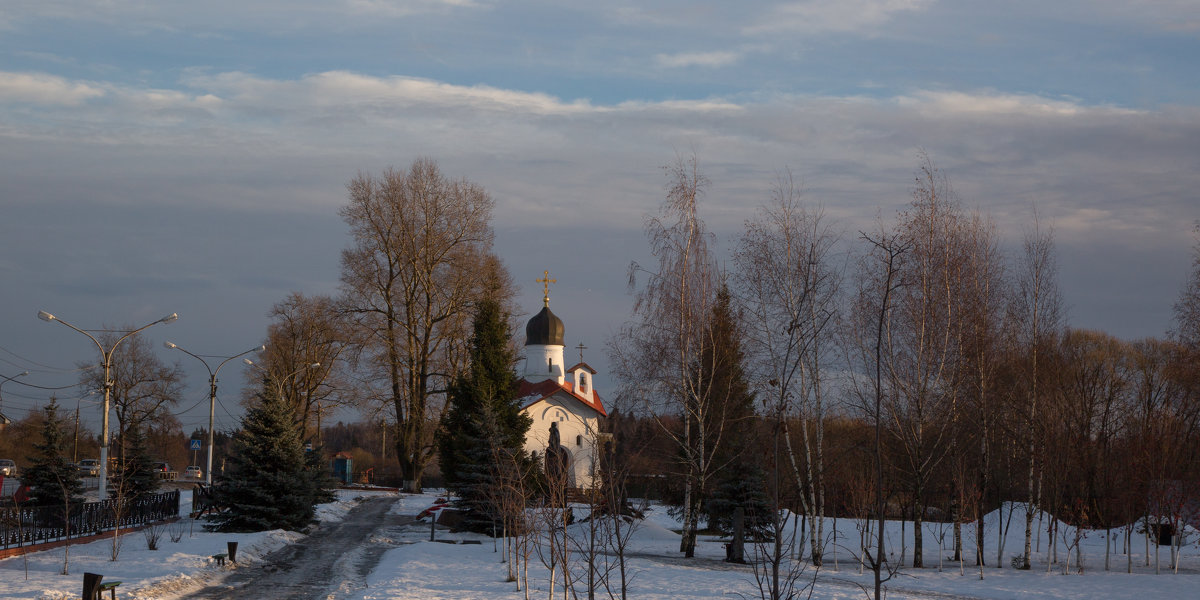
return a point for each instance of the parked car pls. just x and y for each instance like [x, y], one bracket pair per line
[89, 467]
[193, 472]
[8, 468]
[163, 471]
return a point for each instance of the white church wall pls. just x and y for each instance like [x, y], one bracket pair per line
[577, 434]
[544, 362]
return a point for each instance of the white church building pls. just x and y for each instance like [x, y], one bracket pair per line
[552, 392]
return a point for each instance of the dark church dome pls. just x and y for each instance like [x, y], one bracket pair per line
[544, 329]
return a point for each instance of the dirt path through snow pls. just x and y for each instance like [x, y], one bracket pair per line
[328, 564]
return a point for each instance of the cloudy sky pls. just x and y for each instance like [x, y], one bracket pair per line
[168, 156]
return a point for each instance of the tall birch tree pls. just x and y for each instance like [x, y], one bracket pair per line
[985, 297]
[925, 336]
[659, 353]
[1035, 321]
[788, 283]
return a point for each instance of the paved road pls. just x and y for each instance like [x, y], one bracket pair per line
[328, 564]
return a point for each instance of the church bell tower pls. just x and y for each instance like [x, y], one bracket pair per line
[544, 341]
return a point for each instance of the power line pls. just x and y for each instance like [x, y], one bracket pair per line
[47, 368]
[42, 387]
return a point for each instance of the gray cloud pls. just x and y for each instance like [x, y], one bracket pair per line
[216, 196]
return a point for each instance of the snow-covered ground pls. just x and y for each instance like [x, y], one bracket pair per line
[416, 568]
[147, 574]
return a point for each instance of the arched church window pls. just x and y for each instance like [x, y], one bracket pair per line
[579, 440]
[549, 365]
[583, 383]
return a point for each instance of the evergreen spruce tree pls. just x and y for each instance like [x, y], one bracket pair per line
[53, 480]
[268, 484]
[721, 374]
[484, 418]
[320, 483]
[746, 488]
[136, 476]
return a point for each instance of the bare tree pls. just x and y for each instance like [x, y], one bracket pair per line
[1094, 384]
[788, 285]
[1035, 320]
[421, 253]
[1150, 424]
[307, 330]
[925, 333]
[985, 294]
[867, 332]
[549, 525]
[143, 386]
[1187, 308]
[660, 353]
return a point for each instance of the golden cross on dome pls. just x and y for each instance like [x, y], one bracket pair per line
[546, 281]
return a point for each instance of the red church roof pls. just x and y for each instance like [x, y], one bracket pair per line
[536, 392]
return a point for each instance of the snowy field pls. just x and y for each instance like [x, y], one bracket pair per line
[419, 569]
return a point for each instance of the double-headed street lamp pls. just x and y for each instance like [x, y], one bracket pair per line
[279, 382]
[212, 396]
[4, 419]
[106, 356]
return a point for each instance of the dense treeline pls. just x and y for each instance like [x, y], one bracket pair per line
[927, 373]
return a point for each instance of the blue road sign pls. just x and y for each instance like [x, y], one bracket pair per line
[195, 445]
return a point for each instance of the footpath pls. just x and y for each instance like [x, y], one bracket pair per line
[330, 562]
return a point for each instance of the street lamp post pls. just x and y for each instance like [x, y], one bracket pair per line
[3, 419]
[106, 360]
[212, 397]
[280, 381]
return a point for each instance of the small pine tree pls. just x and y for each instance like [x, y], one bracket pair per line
[320, 484]
[52, 479]
[268, 484]
[484, 417]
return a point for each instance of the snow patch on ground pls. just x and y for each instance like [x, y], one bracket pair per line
[174, 569]
[418, 569]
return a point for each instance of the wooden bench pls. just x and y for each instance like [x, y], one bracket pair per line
[108, 586]
[220, 558]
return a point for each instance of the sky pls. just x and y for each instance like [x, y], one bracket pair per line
[168, 156]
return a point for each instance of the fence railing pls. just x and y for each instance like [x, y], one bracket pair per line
[31, 525]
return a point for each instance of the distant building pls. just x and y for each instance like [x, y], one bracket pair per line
[547, 396]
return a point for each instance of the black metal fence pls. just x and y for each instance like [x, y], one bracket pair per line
[31, 525]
